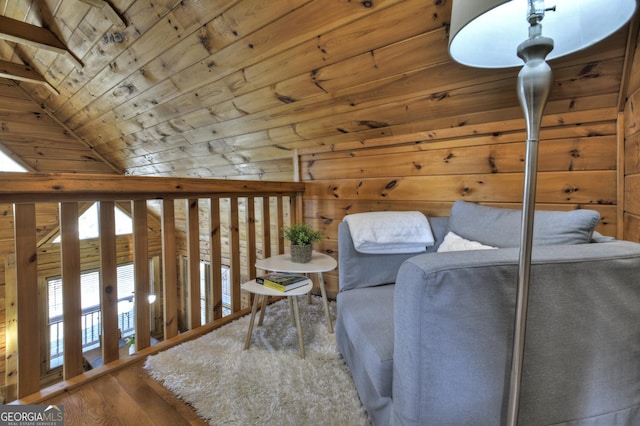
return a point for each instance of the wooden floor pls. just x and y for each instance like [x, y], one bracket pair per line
[128, 396]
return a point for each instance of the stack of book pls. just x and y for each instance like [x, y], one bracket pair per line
[281, 281]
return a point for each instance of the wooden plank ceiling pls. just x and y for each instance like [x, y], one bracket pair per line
[229, 88]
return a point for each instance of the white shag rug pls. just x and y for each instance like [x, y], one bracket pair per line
[269, 383]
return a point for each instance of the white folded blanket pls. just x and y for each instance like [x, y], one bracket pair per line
[390, 232]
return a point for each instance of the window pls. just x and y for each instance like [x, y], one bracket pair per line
[7, 164]
[206, 304]
[88, 226]
[206, 310]
[90, 302]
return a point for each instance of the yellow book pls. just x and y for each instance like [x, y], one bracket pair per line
[281, 281]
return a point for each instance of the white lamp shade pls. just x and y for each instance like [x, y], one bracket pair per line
[486, 33]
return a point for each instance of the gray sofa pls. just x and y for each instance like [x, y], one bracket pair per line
[428, 337]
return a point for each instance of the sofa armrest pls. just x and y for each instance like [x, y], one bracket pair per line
[453, 330]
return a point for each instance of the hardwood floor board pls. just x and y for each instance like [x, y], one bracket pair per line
[119, 402]
[125, 397]
[135, 381]
[185, 410]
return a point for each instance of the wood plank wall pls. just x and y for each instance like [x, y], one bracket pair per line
[428, 171]
[631, 225]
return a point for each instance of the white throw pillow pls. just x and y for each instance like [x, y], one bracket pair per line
[454, 242]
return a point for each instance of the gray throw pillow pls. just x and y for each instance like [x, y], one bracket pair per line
[501, 227]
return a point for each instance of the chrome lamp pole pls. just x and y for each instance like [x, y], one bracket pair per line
[534, 85]
[484, 34]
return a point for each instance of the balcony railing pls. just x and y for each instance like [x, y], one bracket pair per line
[91, 330]
[223, 222]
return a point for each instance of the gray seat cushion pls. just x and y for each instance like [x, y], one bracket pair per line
[500, 227]
[370, 331]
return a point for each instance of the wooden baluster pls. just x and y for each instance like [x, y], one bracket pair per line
[108, 283]
[266, 227]
[294, 213]
[215, 250]
[193, 244]
[251, 237]
[71, 289]
[24, 292]
[141, 273]
[280, 225]
[234, 253]
[169, 273]
[11, 330]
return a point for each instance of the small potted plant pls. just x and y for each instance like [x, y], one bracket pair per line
[131, 341]
[301, 235]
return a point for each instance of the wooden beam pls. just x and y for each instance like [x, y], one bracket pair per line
[32, 35]
[108, 11]
[24, 187]
[20, 72]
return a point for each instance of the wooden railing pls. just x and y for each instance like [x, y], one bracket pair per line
[242, 223]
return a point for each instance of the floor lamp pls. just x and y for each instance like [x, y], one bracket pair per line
[502, 34]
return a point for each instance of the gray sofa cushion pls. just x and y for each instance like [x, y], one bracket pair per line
[501, 227]
[366, 321]
[357, 270]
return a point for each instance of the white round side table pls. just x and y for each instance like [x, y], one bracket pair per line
[262, 292]
[318, 264]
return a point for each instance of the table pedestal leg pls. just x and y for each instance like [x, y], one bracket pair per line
[254, 309]
[296, 314]
[323, 291]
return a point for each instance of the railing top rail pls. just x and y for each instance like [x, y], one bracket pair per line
[44, 187]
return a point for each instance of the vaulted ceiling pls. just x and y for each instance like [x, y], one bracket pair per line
[230, 88]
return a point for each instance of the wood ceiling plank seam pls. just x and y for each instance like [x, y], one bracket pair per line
[108, 12]
[180, 51]
[82, 142]
[137, 50]
[297, 106]
[100, 83]
[262, 119]
[236, 55]
[279, 102]
[555, 155]
[392, 28]
[136, 27]
[607, 74]
[65, 26]
[478, 123]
